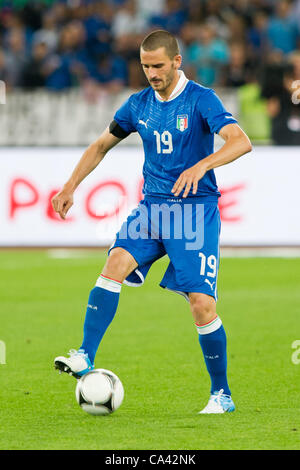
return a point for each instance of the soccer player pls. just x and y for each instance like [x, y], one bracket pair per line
[176, 119]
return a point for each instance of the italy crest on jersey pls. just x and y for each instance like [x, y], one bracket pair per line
[182, 122]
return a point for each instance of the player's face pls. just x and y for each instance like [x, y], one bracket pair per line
[160, 70]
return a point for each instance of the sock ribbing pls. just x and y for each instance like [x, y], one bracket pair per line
[108, 284]
[209, 327]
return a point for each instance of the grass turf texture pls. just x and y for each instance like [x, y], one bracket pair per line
[153, 346]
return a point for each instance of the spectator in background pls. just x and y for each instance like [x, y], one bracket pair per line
[48, 34]
[295, 11]
[282, 107]
[16, 54]
[217, 17]
[13, 22]
[5, 70]
[146, 9]
[207, 55]
[128, 29]
[257, 36]
[294, 60]
[71, 64]
[111, 73]
[33, 75]
[127, 22]
[171, 19]
[77, 53]
[283, 32]
[253, 115]
[61, 13]
[195, 12]
[98, 23]
[31, 15]
[187, 36]
[234, 74]
[236, 28]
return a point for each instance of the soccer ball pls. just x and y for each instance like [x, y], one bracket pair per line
[99, 392]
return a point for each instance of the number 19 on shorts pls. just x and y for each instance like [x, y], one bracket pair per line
[208, 266]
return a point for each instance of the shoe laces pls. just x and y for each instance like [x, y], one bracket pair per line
[217, 396]
[79, 352]
[220, 396]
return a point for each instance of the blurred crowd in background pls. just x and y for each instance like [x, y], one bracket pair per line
[252, 46]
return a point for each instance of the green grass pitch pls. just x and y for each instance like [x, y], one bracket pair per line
[152, 345]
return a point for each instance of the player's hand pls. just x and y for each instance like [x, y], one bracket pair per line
[62, 202]
[189, 179]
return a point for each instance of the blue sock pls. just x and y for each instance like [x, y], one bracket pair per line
[101, 309]
[212, 339]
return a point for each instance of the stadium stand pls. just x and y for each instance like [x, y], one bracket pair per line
[90, 49]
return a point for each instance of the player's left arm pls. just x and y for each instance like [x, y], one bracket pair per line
[236, 144]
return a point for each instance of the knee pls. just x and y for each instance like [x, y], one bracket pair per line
[119, 264]
[115, 261]
[203, 307]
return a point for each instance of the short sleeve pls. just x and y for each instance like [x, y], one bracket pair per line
[214, 113]
[124, 117]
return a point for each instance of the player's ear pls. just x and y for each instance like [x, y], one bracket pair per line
[177, 61]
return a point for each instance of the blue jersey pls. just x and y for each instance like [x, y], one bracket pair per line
[176, 134]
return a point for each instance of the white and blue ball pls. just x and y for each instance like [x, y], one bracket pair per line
[99, 392]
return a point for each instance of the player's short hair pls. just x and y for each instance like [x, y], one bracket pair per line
[161, 38]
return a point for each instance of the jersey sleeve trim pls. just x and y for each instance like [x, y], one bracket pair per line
[229, 121]
[214, 112]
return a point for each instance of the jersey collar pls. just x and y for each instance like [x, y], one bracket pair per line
[177, 90]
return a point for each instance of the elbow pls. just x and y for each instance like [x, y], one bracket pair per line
[247, 145]
[248, 148]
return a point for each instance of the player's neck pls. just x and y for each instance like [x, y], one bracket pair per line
[165, 95]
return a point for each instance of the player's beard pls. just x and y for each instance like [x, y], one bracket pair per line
[163, 84]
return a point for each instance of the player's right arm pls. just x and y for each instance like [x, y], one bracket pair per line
[91, 158]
